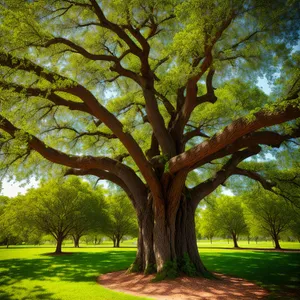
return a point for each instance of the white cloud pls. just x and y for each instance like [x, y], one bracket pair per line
[13, 188]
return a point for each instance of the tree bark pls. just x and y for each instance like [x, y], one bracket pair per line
[145, 258]
[76, 239]
[157, 245]
[118, 240]
[276, 242]
[235, 243]
[59, 241]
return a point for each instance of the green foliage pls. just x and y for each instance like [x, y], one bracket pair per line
[267, 214]
[169, 271]
[207, 223]
[255, 43]
[186, 266]
[121, 217]
[134, 268]
[226, 216]
[150, 269]
[120, 52]
[58, 208]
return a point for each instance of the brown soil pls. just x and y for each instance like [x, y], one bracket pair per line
[183, 288]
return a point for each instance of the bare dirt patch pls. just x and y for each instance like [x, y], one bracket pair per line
[183, 288]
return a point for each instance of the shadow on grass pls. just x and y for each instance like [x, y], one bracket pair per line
[277, 271]
[37, 292]
[76, 267]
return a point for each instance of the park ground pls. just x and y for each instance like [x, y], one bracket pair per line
[30, 273]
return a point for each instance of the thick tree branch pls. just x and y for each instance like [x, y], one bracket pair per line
[191, 100]
[146, 81]
[157, 122]
[268, 138]
[120, 170]
[100, 112]
[205, 188]
[232, 133]
[105, 175]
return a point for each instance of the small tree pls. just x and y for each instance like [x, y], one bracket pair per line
[269, 214]
[229, 218]
[122, 219]
[93, 217]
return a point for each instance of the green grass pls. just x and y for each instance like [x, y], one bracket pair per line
[27, 273]
[244, 244]
[278, 272]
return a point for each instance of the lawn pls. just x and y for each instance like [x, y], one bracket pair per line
[244, 244]
[27, 273]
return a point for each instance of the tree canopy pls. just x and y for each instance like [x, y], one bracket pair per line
[121, 218]
[159, 98]
[57, 208]
[269, 214]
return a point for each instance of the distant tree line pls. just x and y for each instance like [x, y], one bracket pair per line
[256, 214]
[68, 208]
[72, 208]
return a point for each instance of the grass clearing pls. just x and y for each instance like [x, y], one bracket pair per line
[27, 273]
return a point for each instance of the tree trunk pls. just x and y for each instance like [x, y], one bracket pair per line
[114, 241]
[76, 239]
[145, 259]
[118, 242]
[59, 241]
[276, 242]
[235, 243]
[168, 241]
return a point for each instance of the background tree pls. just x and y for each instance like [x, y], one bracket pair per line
[94, 216]
[122, 218]
[7, 234]
[58, 208]
[229, 218]
[148, 95]
[269, 213]
[295, 226]
[208, 225]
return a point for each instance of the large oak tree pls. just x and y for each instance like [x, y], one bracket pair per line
[158, 97]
